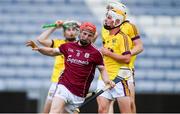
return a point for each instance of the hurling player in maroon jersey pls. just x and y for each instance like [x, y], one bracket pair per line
[81, 60]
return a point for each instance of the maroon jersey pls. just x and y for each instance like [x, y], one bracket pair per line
[80, 64]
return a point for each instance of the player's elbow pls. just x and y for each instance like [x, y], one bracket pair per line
[126, 57]
[141, 48]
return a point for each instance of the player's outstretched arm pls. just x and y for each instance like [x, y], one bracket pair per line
[43, 50]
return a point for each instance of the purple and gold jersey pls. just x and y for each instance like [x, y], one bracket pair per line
[120, 44]
[131, 30]
[128, 29]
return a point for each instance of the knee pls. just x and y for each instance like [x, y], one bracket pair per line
[132, 99]
[53, 110]
[102, 107]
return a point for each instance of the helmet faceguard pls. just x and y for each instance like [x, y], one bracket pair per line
[71, 24]
[116, 16]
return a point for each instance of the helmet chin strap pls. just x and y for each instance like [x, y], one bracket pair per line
[110, 28]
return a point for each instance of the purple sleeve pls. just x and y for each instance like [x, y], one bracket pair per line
[62, 49]
[136, 37]
[99, 59]
[126, 53]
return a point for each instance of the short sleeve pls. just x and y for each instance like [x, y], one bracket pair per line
[62, 49]
[125, 44]
[133, 32]
[99, 59]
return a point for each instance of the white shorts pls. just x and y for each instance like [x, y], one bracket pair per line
[72, 101]
[93, 85]
[118, 91]
[52, 91]
[121, 89]
[127, 74]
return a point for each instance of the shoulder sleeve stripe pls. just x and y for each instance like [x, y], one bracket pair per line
[134, 29]
[136, 37]
[126, 44]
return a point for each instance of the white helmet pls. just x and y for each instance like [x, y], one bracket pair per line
[71, 24]
[117, 5]
[117, 10]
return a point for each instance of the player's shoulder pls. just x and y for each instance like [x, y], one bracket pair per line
[59, 40]
[103, 30]
[104, 33]
[122, 35]
[128, 23]
[95, 49]
[70, 43]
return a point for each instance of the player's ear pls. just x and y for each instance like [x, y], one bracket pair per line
[95, 37]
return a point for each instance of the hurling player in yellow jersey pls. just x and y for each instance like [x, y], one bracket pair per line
[117, 59]
[70, 29]
[129, 29]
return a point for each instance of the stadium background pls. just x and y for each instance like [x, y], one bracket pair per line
[25, 75]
